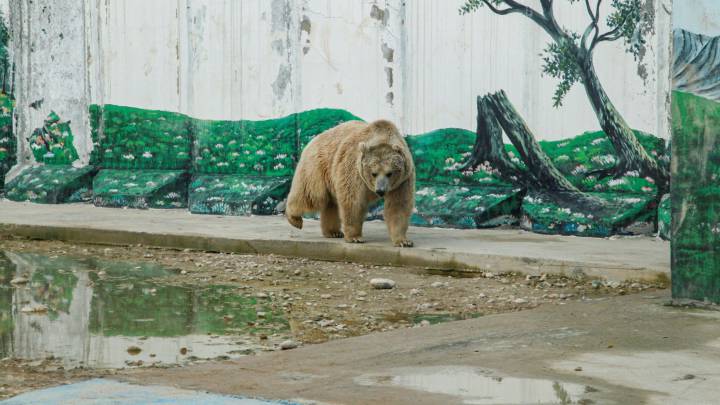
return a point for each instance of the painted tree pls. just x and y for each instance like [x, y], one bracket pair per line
[569, 58]
[4, 54]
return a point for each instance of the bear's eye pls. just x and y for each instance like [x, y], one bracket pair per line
[374, 174]
[390, 174]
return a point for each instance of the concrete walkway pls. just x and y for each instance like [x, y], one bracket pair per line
[627, 350]
[487, 250]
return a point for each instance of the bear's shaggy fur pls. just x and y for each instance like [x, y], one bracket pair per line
[345, 169]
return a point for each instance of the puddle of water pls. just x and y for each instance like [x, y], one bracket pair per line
[476, 386]
[103, 314]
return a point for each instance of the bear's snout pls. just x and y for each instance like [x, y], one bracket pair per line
[381, 186]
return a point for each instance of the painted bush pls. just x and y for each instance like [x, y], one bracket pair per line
[138, 139]
[696, 197]
[245, 167]
[237, 195]
[140, 189]
[7, 138]
[52, 144]
[51, 184]
[259, 148]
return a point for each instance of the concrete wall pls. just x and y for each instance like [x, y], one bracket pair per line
[418, 63]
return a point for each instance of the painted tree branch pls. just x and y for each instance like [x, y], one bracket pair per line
[540, 167]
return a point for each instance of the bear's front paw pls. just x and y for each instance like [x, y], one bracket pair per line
[404, 243]
[336, 235]
[354, 240]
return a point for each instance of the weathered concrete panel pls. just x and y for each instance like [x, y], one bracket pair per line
[51, 70]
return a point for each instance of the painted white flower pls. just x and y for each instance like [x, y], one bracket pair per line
[616, 182]
[150, 184]
[442, 198]
[633, 173]
[279, 166]
[598, 141]
[147, 155]
[219, 146]
[260, 152]
[129, 157]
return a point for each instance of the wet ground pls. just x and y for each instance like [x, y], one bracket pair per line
[71, 312]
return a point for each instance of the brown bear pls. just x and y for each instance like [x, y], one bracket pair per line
[346, 168]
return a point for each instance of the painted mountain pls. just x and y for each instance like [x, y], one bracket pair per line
[696, 64]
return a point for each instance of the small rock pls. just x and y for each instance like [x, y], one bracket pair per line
[596, 284]
[520, 301]
[382, 283]
[261, 314]
[261, 295]
[19, 280]
[361, 294]
[488, 275]
[424, 323]
[34, 309]
[636, 285]
[438, 284]
[414, 291]
[297, 272]
[614, 284]
[482, 295]
[326, 296]
[134, 350]
[578, 369]
[288, 345]
[183, 272]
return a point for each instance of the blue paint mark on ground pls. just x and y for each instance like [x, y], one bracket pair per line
[106, 392]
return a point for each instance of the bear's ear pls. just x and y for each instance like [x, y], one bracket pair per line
[363, 147]
[397, 148]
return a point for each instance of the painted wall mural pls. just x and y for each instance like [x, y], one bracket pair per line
[8, 144]
[503, 169]
[695, 197]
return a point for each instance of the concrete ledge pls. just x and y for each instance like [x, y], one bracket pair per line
[470, 250]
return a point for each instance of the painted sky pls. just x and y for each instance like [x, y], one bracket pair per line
[698, 16]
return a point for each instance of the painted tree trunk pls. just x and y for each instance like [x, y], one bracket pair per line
[631, 154]
[489, 146]
[540, 167]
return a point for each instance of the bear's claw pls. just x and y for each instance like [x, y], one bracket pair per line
[354, 240]
[336, 235]
[404, 243]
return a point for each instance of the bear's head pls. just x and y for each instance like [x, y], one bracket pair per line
[385, 162]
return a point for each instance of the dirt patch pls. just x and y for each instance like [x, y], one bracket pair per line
[321, 301]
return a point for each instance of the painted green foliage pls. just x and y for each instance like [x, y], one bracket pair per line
[140, 188]
[696, 198]
[52, 144]
[134, 138]
[51, 184]
[7, 138]
[245, 167]
[665, 217]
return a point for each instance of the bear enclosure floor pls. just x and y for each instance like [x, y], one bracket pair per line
[104, 310]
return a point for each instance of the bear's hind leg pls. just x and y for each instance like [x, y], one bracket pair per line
[330, 221]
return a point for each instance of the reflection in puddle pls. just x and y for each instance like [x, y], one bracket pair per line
[104, 314]
[475, 386]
